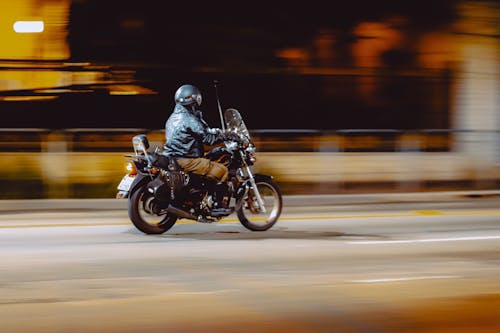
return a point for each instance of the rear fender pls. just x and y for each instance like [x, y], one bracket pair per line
[139, 180]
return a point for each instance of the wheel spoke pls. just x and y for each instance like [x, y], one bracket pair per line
[255, 219]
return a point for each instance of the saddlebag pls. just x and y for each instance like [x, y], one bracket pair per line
[171, 180]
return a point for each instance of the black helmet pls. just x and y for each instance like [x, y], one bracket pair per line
[188, 95]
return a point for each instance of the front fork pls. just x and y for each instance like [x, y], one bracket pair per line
[247, 173]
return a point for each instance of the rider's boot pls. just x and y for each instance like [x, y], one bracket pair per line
[221, 200]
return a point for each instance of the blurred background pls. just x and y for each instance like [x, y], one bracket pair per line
[357, 96]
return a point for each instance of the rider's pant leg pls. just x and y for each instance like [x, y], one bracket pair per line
[205, 167]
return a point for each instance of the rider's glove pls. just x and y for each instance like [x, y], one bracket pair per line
[216, 131]
[231, 136]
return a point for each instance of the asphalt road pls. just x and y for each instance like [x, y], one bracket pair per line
[421, 266]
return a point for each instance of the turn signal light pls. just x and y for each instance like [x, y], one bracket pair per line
[130, 167]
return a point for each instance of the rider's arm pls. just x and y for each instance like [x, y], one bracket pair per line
[213, 136]
[209, 136]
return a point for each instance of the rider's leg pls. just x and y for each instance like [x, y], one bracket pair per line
[205, 167]
[222, 194]
[216, 174]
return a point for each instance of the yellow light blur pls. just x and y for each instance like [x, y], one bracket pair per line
[27, 98]
[129, 89]
[123, 92]
[76, 64]
[21, 24]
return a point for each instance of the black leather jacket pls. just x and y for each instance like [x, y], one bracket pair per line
[186, 133]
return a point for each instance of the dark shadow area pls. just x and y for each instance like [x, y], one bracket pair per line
[278, 233]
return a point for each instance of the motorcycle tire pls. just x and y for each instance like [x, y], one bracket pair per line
[271, 195]
[139, 215]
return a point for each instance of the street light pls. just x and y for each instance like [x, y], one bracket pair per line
[28, 26]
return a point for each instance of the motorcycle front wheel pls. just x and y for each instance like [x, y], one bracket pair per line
[141, 215]
[249, 214]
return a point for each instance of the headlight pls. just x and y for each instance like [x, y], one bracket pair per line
[251, 150]
[251, 154]
[231, 145]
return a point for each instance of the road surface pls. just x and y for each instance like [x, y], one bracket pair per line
[394, 267]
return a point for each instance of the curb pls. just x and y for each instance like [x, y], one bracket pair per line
[288, 200]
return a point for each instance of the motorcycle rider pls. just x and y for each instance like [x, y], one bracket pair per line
[186, 133]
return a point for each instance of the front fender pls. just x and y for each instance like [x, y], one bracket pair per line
[260, 176]
[243, 188]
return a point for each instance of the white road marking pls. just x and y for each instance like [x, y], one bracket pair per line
[412, 278]
[429, 240]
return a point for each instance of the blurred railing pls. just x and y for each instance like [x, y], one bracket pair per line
[88, 162]
[363, 140]
[267, 140]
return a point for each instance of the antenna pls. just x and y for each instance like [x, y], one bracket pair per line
[218, 104]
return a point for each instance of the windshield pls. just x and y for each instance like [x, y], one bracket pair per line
[236, 124]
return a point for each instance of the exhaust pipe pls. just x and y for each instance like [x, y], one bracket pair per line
[180, 213]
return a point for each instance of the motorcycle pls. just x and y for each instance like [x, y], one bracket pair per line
[159, 192]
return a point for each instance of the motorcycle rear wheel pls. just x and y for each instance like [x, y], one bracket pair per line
[249, 216]
[142, 219]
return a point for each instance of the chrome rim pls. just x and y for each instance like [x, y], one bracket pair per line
[271, 201]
